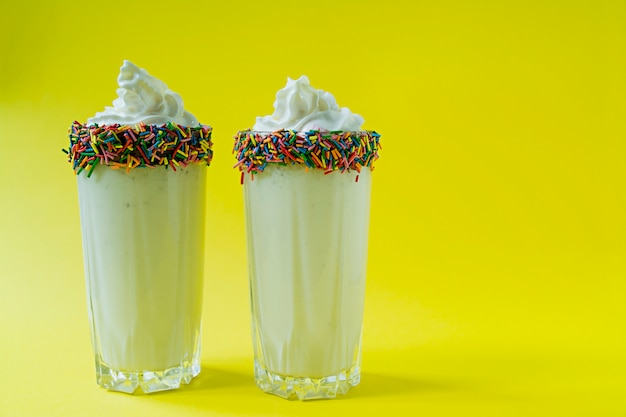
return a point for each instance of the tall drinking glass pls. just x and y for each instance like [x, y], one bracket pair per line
[307, 236]
[143, 246]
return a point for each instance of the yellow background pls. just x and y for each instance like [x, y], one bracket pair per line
[496, 280]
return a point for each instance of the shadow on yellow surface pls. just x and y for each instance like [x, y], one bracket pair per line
[431, 382]
[212, 378]
[386, 385]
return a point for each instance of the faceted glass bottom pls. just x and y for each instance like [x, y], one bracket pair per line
[304, 388]
[147, 381]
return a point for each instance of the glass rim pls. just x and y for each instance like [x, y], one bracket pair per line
[310, 131]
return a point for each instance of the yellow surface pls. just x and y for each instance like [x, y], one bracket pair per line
[496, 281]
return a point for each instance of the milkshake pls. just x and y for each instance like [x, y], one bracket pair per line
[306, 173]
[141, 173]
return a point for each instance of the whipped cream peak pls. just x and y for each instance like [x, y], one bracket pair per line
[299, 106]
[143, 98]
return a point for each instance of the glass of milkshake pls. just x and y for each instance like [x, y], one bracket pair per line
[306, 175]
[141, 172]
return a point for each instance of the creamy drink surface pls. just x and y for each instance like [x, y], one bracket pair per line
[144, 274]
[308, 252]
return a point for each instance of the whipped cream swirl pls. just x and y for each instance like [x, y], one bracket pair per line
[301, 107]
[143, 98]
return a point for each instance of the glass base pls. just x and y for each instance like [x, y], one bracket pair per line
[147, 381]
[304, 388]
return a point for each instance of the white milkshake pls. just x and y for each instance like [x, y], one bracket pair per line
[143, 234]
[307, 232]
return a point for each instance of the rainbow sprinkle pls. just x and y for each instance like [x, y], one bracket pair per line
[328, 151]
[123, 146]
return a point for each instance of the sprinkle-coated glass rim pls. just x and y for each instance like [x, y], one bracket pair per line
[326, 150]
[119, 146]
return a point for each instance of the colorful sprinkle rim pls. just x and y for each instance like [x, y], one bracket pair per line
[326, 150]
[128, 147]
